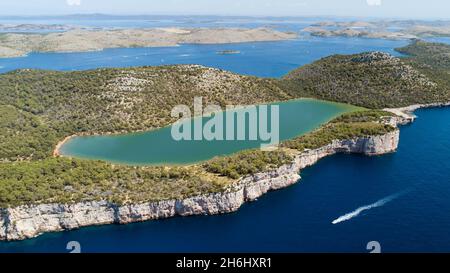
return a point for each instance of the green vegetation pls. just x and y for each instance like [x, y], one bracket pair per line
[363, 116]
[23, 135]
[115, 100]
[376, 80]
[247, 162]
[337, 131]
[347, 126]
[40, 108]
[63, 180]
[431, 59]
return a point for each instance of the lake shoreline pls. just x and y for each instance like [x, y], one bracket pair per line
[57, 151]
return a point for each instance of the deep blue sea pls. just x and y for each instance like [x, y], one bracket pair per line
[264, 59]
[401, 200]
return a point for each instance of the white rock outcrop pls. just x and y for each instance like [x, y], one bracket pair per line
[406, 115]
[30, 221]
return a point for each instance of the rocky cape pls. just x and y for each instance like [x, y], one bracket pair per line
[30, 221]
[381, 29]
[33, 220]
[406, 115]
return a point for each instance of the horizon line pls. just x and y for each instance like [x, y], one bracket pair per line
[222, 15]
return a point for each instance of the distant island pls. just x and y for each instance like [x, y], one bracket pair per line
[34, 27]
[80, 40]
[228, 52]
[394, 30]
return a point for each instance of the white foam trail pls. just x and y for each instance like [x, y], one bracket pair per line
[358, 211]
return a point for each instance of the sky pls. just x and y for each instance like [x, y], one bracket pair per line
[431, 9]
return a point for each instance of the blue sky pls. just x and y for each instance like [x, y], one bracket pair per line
[362, 8]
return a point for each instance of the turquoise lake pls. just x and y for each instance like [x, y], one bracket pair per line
[296, 118]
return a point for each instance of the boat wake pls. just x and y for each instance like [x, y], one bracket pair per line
[359, 210]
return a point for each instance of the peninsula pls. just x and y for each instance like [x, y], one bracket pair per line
[41, 193]
[80, 40]
[385, 29]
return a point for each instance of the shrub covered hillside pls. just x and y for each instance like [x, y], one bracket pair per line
[431, 59]
[52, 105]
[39, 108]
[375, 79]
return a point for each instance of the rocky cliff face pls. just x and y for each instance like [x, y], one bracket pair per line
[30, 221]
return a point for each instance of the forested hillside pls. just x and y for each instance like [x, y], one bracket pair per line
[376, 79]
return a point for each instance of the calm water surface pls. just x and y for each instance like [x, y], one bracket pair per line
[296, 118]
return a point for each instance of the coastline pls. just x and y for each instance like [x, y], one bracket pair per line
[57, 150]
[407, 112]
[30, 221]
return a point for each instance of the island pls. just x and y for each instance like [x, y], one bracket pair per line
[82, 40]
[42, 192]
[228, 52]
[383, 29]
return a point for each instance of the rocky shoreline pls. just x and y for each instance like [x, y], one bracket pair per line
[405, 115]
[30, 221]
